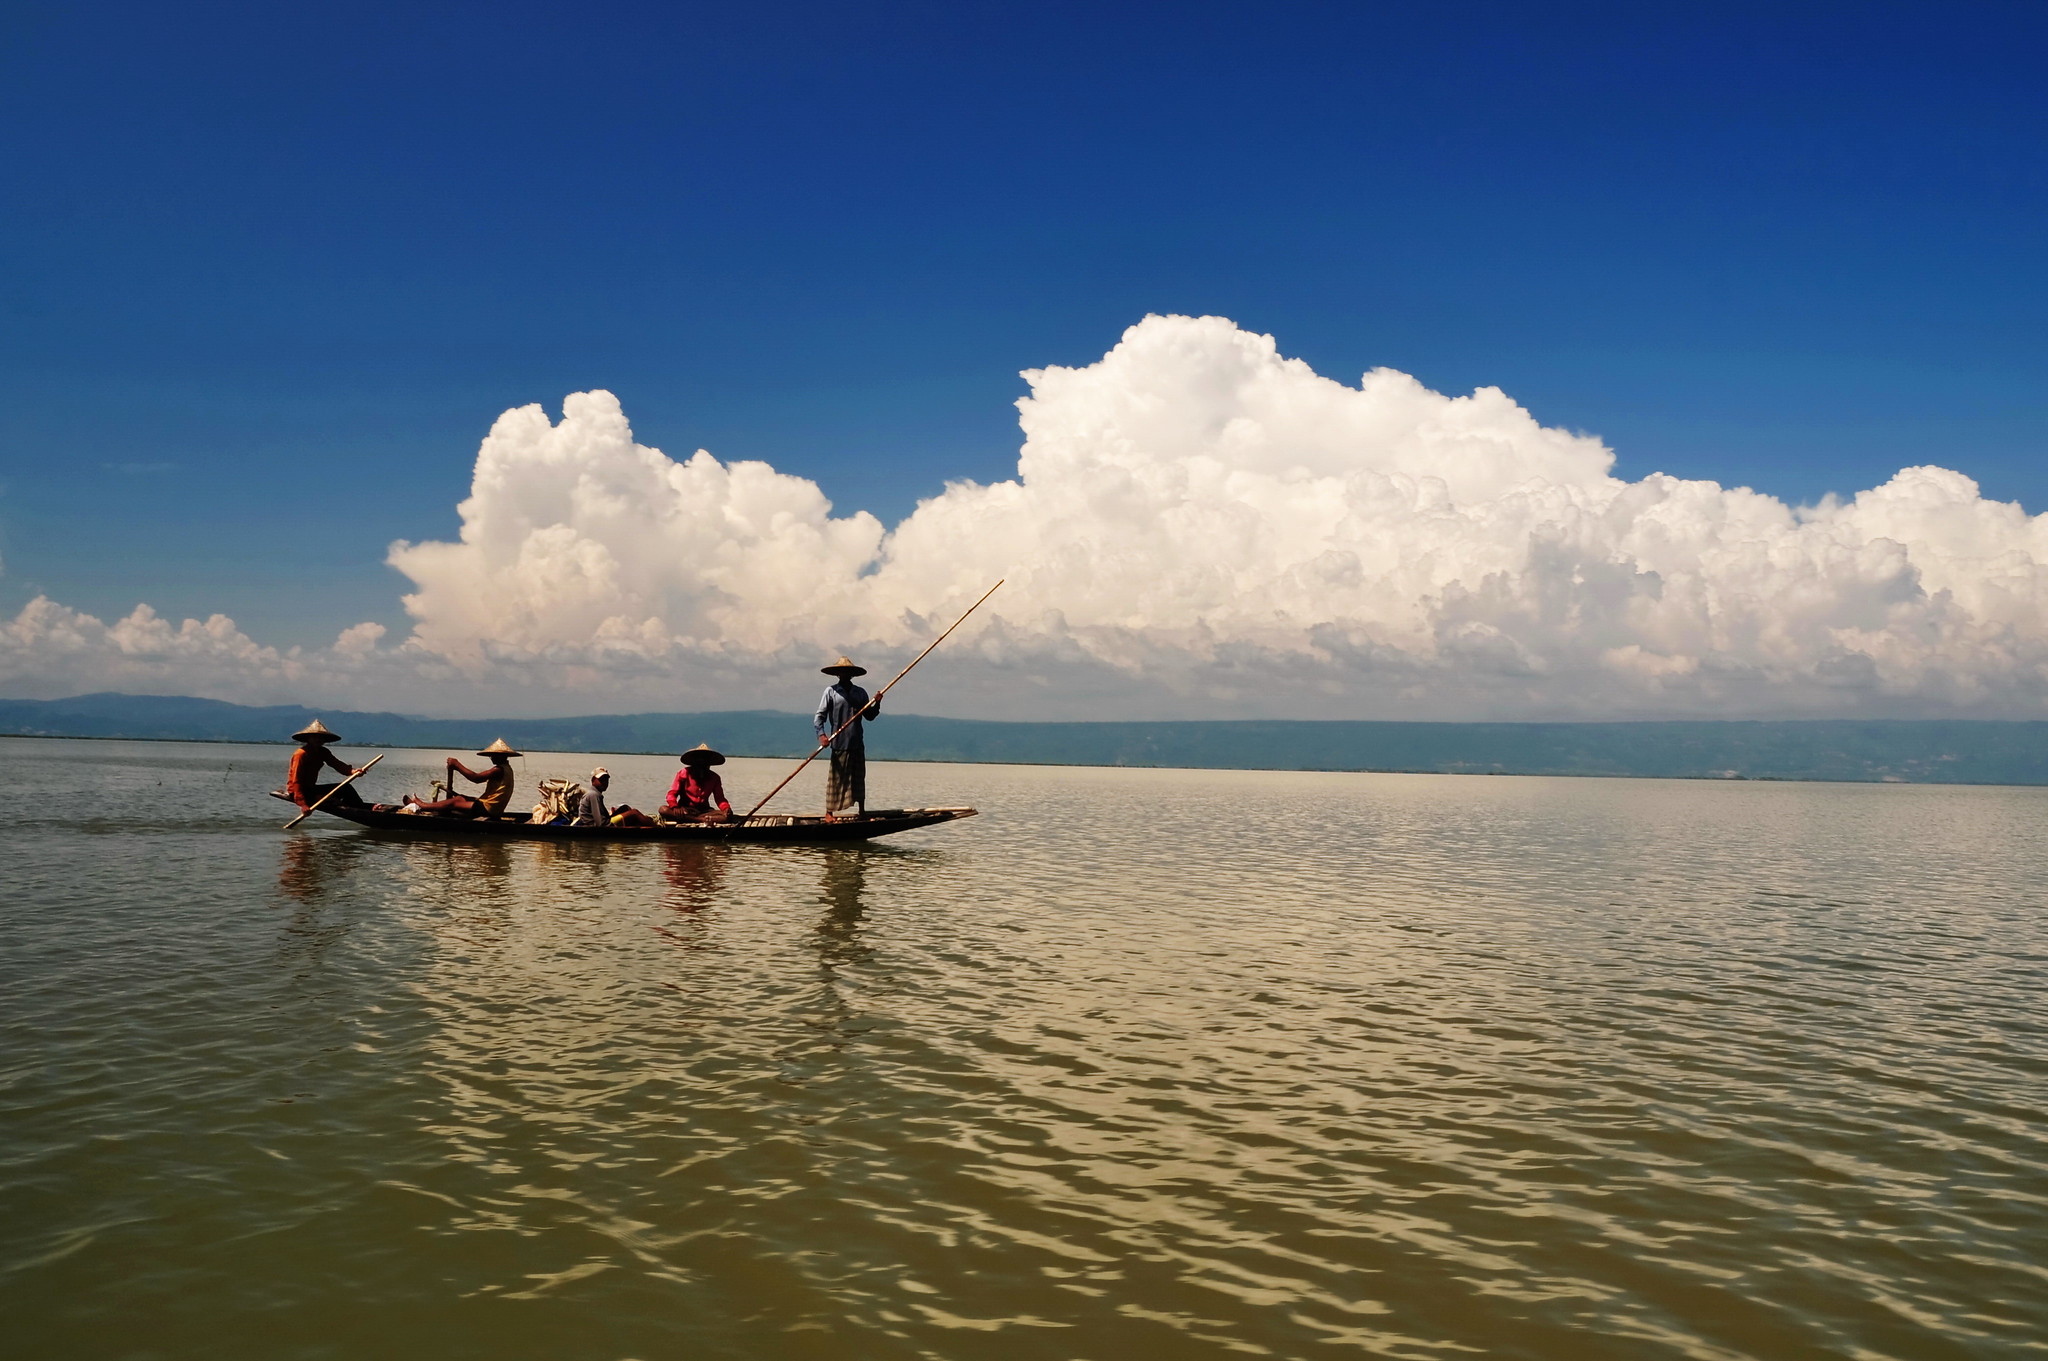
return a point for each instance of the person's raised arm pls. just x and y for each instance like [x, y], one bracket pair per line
[478, 776]
[327, 755]
[874, 709]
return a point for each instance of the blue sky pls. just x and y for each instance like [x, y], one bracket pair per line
[270, 272]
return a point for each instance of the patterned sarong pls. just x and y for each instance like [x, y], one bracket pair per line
[846, 780]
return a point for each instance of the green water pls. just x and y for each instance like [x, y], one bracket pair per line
[1138, 1064]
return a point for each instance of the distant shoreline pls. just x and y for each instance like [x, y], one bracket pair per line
[1990, 752]
[1051, 765]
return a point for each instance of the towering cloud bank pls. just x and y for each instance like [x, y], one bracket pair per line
[1202, 527]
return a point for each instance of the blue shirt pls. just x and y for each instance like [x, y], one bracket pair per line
[841, 702]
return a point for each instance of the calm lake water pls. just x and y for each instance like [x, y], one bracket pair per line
[1137, 1064]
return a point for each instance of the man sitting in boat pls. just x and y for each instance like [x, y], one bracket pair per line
[301, 778]
[592, 811]
[698, 788]
[497, 783]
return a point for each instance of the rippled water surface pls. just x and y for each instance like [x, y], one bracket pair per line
[1137, 1064]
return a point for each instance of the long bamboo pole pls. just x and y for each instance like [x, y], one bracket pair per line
[876, 700]
[332, 792]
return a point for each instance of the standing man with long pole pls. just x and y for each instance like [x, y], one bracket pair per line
[854, 714]
[843, 713]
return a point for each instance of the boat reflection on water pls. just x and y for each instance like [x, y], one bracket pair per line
[842, 886]
[308, 867]
[840, 1010]
[696, 876]
[688, 884]
[553, 963]
[577, 1000]
[311, 873]
[471, 873]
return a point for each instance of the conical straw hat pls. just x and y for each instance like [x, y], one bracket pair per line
[844, 667]
[498, 748]
[316, 731]
[702, 755]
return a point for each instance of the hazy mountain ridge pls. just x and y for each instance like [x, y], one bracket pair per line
[1935, 751]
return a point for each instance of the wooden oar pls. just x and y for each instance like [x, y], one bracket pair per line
[876, 700]
[332, 792]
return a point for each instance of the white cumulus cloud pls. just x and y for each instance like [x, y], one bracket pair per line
[1199, 526]
[50, 650]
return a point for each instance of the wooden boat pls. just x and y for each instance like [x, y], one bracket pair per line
[785, 828]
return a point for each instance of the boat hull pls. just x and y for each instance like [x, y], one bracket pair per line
[768, 828]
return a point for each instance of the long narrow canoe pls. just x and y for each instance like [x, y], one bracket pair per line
[766, 827]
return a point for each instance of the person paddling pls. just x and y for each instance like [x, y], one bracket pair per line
[496, 780]
[302, 777]
[846, 782]
[698, 788]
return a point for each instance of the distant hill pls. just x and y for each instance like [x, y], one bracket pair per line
[1936, 751]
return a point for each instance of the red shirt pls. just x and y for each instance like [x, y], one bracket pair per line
[695, 789]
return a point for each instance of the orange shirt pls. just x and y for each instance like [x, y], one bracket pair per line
[303, 775]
